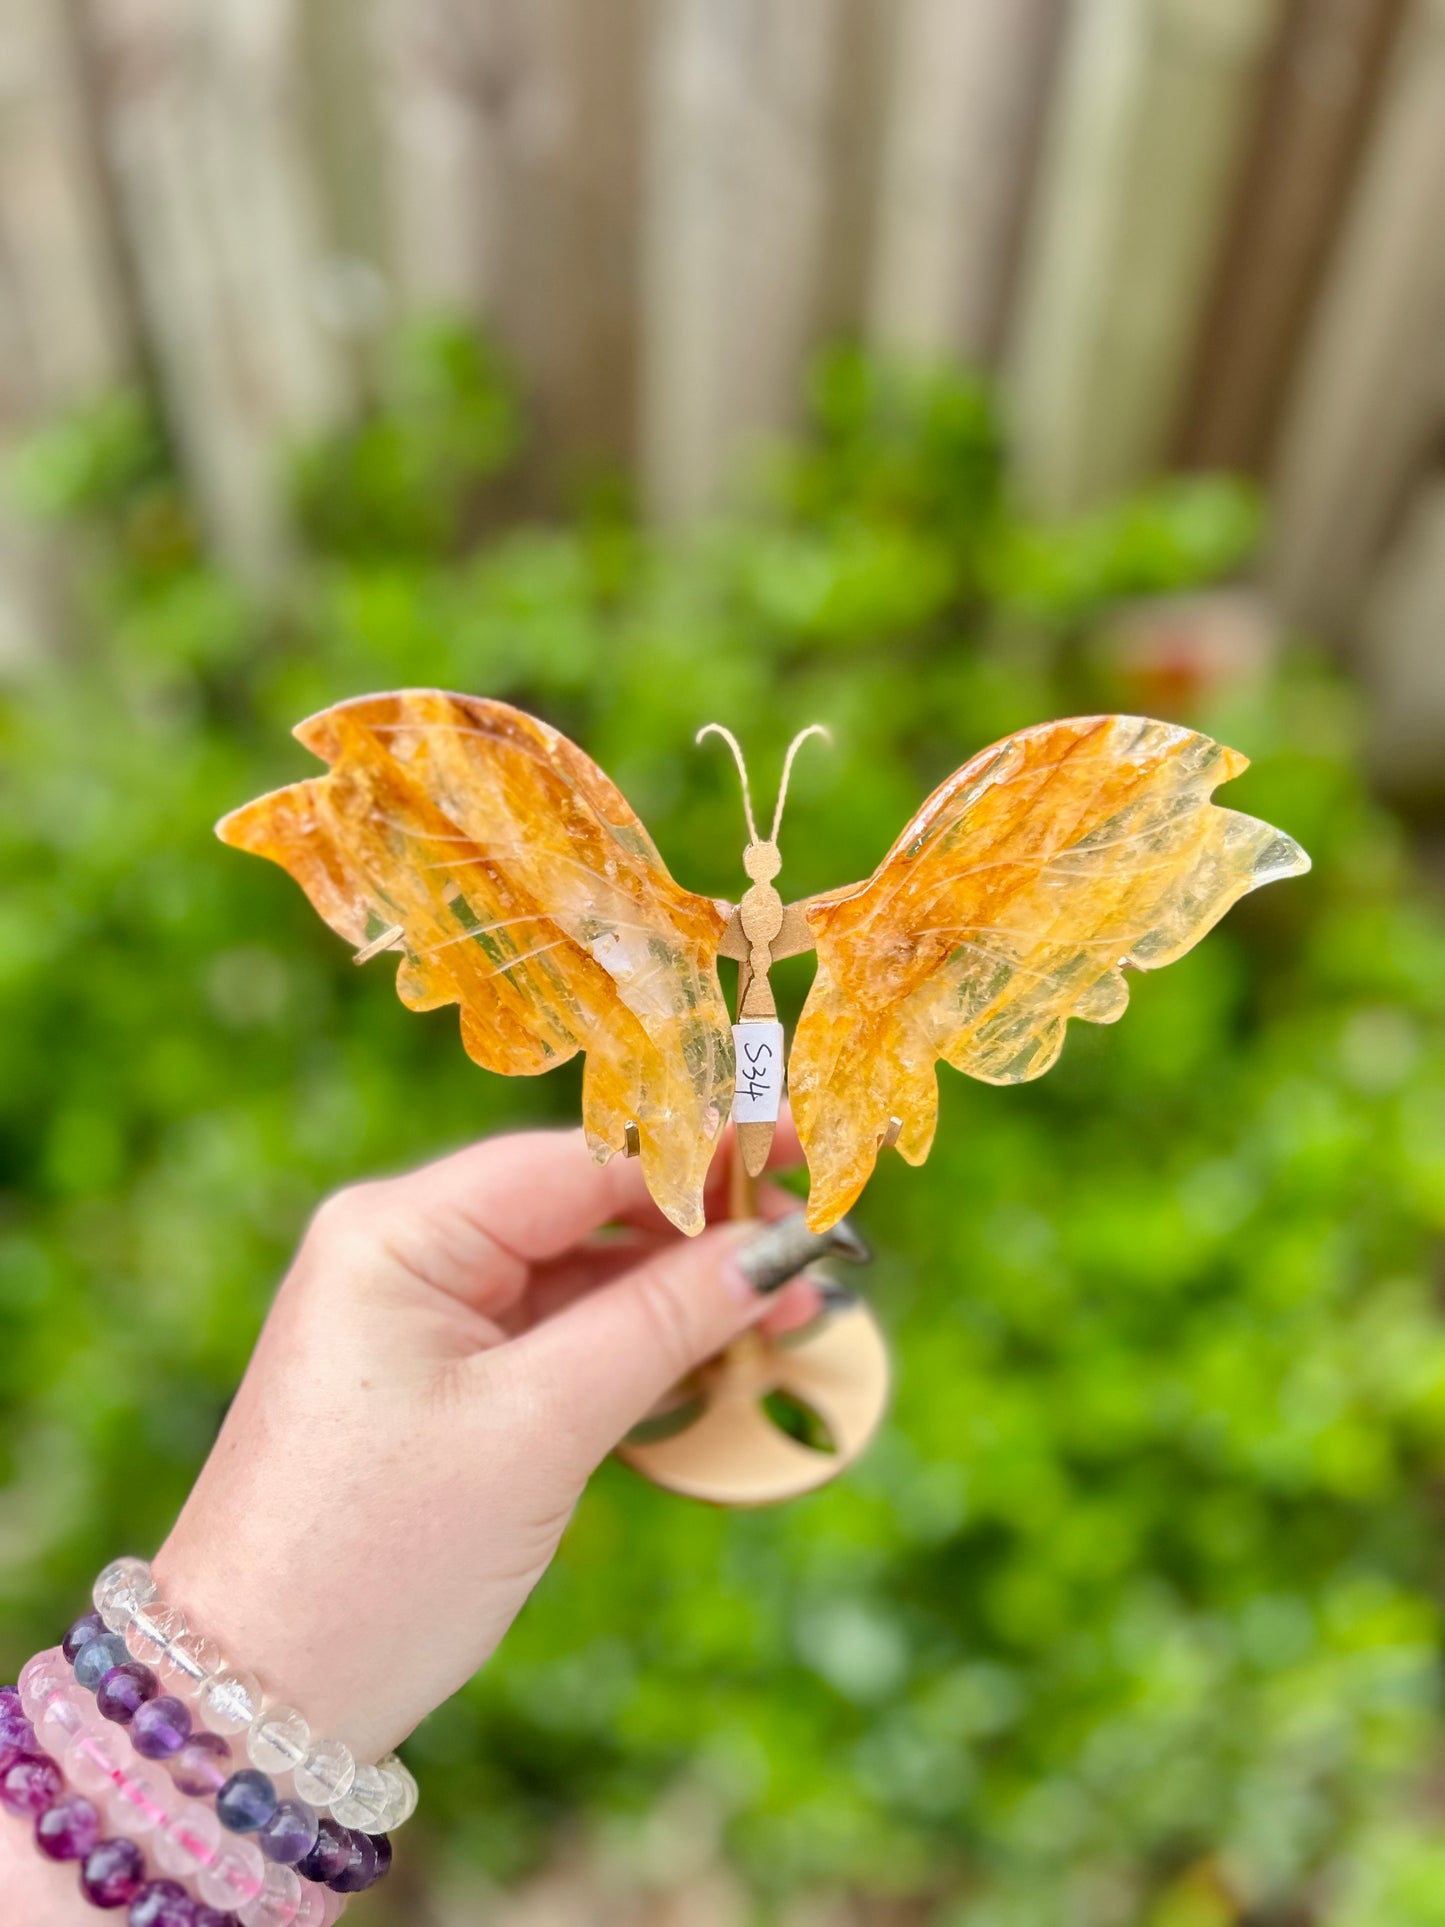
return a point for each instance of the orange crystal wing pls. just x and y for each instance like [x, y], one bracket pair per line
[1008, 905]
[529, 893]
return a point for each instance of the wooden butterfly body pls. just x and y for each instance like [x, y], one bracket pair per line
[520, 885]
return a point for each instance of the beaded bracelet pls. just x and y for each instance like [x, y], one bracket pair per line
[288, 1833]
[185, 1838]
[369, 1799]
[67, 1827]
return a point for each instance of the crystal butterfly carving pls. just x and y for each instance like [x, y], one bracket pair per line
[517, 883]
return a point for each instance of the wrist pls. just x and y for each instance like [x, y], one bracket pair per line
[292, 1640]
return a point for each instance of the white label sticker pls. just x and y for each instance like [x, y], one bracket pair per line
[759, 1088]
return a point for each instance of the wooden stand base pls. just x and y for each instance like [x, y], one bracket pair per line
[733, 1453]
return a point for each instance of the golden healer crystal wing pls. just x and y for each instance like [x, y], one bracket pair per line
[524, 889]
[1009, 904]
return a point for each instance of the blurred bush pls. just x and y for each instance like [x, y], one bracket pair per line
[1134, 1614]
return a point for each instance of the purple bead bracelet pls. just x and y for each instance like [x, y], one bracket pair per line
[67, 1827]
[288, 1832]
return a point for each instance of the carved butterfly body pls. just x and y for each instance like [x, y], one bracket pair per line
[521, 886]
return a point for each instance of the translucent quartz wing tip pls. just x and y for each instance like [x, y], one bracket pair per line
[1011, 903]
[1278, 858]
[528, 893]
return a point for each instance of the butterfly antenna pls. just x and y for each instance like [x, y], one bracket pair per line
[718, 729]
[813, 729]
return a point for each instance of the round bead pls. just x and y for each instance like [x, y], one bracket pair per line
[278, 1902]
[234, 1877]
[246, 1802]
[122, 1589]
[401, 1793]
[188, 1842]
[213, 1917]
[203, 1765]
[364, 1806]
[82, 1630]
[360, 1869]
[230, 1701]
[312, 1911]
[93, 1761]
[161, 1903]
[152, 1631]
[382, 1843]
[31, 1787]
[65, 1715]
[69, 1829]
[190, 1659]
[124, 1690]
[39, 1678]
[99, 1656]
[330, 1855]
[290, 1833]
[326, 1773]
[279, 1740]
[140, 1801]
[160, 1728]
[113, 1873]
[17, 1735]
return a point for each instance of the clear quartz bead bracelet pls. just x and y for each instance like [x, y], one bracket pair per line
[278, 1740]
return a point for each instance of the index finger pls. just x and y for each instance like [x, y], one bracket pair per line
[528, 1197]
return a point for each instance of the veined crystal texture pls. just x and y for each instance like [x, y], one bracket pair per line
[188, 1659]
[325, 1774]
[124, 1586]
[41, 1677]
[364, 1807]
[402, 1794]
[93, 1760]
[63, 1718]
[527, 891]
[1011, 903]
[189, 1841]
[278, 1902]
[142, 1800]
[234, 1876]
[279, 1740]
[152, 1630]
[229, 1701]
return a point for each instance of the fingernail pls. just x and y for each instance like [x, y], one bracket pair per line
[768, 1260]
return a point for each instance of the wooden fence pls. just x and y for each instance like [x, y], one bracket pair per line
[1182, 231]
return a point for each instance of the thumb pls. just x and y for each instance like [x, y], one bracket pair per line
[600, 1366]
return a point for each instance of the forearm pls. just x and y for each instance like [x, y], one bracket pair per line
[447, 1362]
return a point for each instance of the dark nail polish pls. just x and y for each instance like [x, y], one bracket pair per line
[787, 1247]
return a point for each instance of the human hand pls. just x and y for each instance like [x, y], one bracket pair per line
[451, 1355]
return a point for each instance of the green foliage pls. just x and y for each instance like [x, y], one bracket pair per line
[1134, 1613]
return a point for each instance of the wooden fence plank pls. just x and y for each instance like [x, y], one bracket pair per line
[1364, 410]
[65, 328]
[1145, 136]
[1401, 655]
[1308, 135]
[515, 155]
[966, 88]
[221, 214]
[66, 321]
[565, 301]
[446, 81]
[741, 116]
